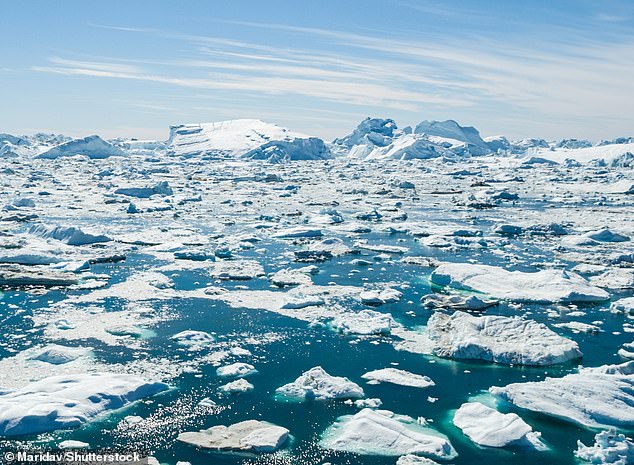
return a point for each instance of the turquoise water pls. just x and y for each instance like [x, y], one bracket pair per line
[288, 347]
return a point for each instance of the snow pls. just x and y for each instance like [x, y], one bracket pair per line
[609, 447]
[246, 138]
[593, 397]
[93, 147]
[68, 401]
[246, 436]
[317, 384]
[381, 432]
[399, 377]
[541, 286]
[499, 339]
[488, 427]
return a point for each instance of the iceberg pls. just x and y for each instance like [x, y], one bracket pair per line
[609, 447]
[594, 397]
[488, 427]
[317, 384]
[545, 286]
[400, 377]
[244, 138]
[499, 339]
[93, 147]
[381, 432]
[68, 234]
[246, 436]
[69, 401]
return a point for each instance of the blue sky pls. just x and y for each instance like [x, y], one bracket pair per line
[549, 69]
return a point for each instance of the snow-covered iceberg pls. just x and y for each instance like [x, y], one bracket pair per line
[400, 377]
[488, 427]
[541, 286]
[499, 339]
[68, 401]
[246, 436]
[92, 147]
[609, 447]
[244, 138]
[381, 432]
[316, 383]
[593, 397]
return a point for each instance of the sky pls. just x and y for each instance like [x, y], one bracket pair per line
[534, 68]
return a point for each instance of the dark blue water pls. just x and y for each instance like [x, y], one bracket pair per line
[288, 347]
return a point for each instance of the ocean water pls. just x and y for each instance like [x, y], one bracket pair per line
[283, 348]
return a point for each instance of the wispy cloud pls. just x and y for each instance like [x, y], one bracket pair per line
[555, 79]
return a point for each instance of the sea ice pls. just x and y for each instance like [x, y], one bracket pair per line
[246, 436]
[400, 377]
[317, 384]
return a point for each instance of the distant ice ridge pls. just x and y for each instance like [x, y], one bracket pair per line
[245, 138]
[68, 401]
[92, 146]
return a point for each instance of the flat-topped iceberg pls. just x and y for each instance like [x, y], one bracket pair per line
[316, 383]
[499, 339]
[245, 138]
[381, 432]
[246, 436]
[542, 286]
[69, 401]
[400, 377]
[488, 427]
[593, 397]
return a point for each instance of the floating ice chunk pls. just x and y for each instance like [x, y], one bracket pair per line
[499, 339]
[162, 189]
[594, 397]
[410, 459]
[236, 370]
[380, 297]
[290, 277]
[578, 327]
[367, 403]
[457, 302]
[609, 447]
[17, 276]
[72, 444]
[400, 377]
[606, 235]
[239, 270]
[365, 322]
[381, 432]
[68, 401]
[193, 339]
[92, 146]
[488, 427]
[617, 278]
[58, 355]
[317, 384]
[246, 436]
[68, 234]
[625, 305]
[395, 249]
[297, 301]
[298, 231]
[236, 387]
[541, 286]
